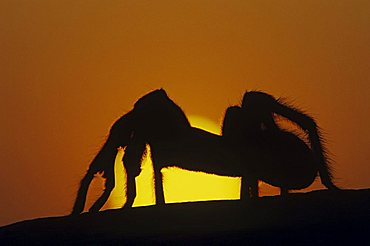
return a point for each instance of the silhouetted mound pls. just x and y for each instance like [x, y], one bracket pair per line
[319, 217]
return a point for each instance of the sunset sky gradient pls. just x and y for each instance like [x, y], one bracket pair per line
[69, 68]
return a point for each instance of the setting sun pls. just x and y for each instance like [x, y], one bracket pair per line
[179, 185]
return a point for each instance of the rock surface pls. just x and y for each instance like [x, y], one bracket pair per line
[315, 218]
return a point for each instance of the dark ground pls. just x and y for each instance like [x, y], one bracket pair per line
[315, 218]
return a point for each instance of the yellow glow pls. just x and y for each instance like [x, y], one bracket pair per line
[179, 185]
[205, 124]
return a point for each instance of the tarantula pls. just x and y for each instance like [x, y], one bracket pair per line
[252, 146]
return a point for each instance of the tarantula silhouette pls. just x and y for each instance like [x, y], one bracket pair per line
[252, 146]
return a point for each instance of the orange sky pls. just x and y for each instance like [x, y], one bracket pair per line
[69, 68]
